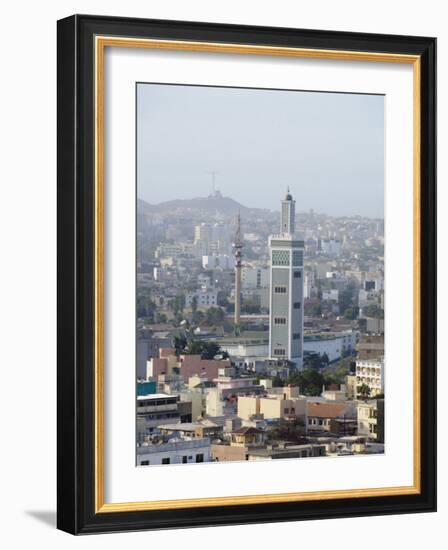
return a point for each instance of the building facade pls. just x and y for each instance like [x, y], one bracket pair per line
[286, 295]
[370, 373]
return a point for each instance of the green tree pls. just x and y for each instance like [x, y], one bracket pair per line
[198, 317]
[180, 343]
[277, 382]
[215, 315]
[351, 313]
[373, 311]
[194, 305]
[363, 391]
[310, 381]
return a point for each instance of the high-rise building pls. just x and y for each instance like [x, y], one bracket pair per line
[286, 293]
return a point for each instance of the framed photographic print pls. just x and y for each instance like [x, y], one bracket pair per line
[246, 274]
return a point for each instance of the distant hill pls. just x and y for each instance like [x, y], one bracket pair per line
[213, 205]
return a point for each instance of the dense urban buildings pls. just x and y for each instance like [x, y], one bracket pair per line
[260, 334]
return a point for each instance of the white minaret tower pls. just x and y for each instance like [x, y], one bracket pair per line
[238, 245]
[286, 296]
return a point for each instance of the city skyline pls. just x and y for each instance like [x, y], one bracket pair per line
[313, 142]
[259, 333]
[272, 210]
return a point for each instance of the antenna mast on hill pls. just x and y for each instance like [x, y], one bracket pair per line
[213, 175]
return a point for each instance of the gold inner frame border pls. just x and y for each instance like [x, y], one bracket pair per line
[101, 42]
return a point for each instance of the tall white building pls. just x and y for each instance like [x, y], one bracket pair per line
[286, 294]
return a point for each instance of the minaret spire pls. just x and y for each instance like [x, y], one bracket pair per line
[287, 223]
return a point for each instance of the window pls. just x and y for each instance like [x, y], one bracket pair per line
[280, 257]
[297, 274]
[297, 258]
[144, 463]
[279, 320]
[286, 410]
[296, 336]
[200, 457]
[280, 289]
[279, 351]
[184, 459]
[296, 305]
[166, 461]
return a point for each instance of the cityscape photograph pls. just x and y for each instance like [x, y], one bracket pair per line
[260, 274]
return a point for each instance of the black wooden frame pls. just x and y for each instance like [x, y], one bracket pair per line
[75, 474]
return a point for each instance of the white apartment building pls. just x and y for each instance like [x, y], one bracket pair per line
[334, 345]
[331, 295]
[371, 373]
[214, 261]
[184, 451]
[206, 297]
[254, 277]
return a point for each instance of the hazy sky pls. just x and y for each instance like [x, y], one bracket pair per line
[329, 148]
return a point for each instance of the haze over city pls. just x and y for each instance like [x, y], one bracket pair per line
[327, 147]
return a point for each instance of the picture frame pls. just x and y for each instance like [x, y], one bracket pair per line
[82, 41]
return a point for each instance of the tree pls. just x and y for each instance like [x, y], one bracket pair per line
[363, 391]
[346, 297]
[310, 381]
[351, 313]
[194, 305]
[177, 304]
[215, 316]
[207, 350]
[180, 343]
[210, 349]
[277, 382]
[373, 311]
[160, 318]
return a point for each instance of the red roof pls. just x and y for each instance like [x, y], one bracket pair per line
[327, 410]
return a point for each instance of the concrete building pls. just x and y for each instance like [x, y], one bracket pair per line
[205, 297]
[370, 373]
[148, 347]
[254, 277]
[334, 344]
[285, 405]
[286, 301]
[153, 410]
[331, 295]
[371, 419]
[322, 414]
[330, 247]
[192, 430]
[286, 451]
[222, 261]
[174, 452]
[370, 346]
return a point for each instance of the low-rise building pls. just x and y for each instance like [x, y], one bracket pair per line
[179, 451]
[202, 429]
[371, 419]
[153, 410]
[333, 344]
[286, 451]
[321, 414]
[205, 297]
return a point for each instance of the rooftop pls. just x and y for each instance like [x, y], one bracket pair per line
[154, 396]
[326, 410]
